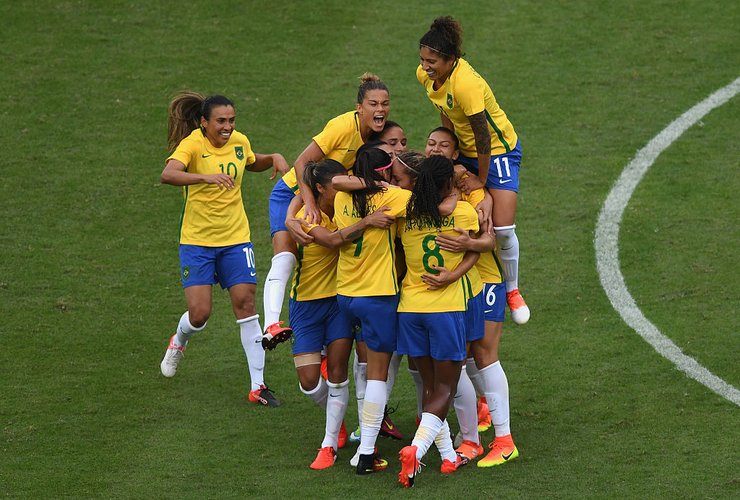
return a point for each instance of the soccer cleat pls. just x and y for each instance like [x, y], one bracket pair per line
[367, 464]
[448, 467]
[325, 458]
[342, 439]
[172, 358]
[410, 466]
[387, 427]
[517, 306]
[354, 437]
[502, 450]
[484, 415]
[263, 396]
[468, 451]
[275, 334]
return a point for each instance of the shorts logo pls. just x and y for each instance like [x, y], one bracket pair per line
[239, 152]
[449, 101]
[185, 272]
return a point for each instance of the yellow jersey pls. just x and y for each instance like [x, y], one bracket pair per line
[315, 276]
[214, 217]
[367, 265]
[339, 141]
[421, 251]
[464, 94]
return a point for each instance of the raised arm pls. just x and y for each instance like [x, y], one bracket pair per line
[312, 153]
[482, 143]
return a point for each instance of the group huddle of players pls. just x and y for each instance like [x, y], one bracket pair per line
[383, 251]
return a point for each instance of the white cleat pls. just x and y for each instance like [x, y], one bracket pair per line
[172, 358]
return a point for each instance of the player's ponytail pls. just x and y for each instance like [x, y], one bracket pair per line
[432, 185]
[320, 173]
[369, 81]
[185, 112]
[444, 37]
[369, 164]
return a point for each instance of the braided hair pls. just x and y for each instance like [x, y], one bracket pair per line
[432, 185]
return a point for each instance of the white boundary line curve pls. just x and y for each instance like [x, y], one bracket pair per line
[607, 248]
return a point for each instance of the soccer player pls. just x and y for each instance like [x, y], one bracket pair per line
[431, 318]
[488, 143]
[483, 367]
[367, 288]
[394, 137]
[341, 138]
[209, 158]
[313, 311]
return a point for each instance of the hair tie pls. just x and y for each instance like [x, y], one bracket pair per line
[381, 169]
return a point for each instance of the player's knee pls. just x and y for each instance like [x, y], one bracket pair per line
[198, 315]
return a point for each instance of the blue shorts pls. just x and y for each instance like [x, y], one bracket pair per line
[503, 171]
[495, 301]
[474, 322]
[227, 266]
[317, 323]
[280, 198]
[439, 335]
[377, 317]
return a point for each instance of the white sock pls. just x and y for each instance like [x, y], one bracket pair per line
[336, 407]
[318, 394]
[185, 330]
[277, 279]
[443, 441]
[508, 251]
[360, 374]
[466, 408]
[416, 376]
[392, 372]
[426, 433]
[497, 395]
[372, 415]
[474, 375]
[251, 335]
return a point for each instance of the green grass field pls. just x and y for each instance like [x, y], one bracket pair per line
[89, 285]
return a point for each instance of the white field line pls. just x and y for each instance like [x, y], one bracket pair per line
[607, 249]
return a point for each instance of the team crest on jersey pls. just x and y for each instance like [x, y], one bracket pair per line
[185, 272]
[449, 101]
[239, 152]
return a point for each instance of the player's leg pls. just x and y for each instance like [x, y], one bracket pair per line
[486, 354]
[359, 373]
[197, 267]
[504, 185]
[283, 262]
[387, 427]
[338, 399]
